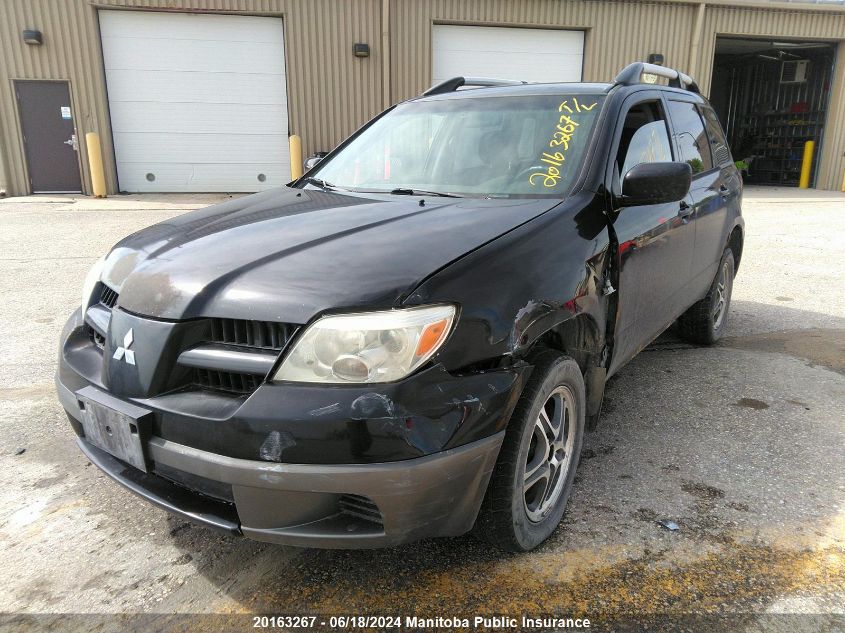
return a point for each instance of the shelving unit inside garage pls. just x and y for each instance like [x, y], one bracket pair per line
[771, 102]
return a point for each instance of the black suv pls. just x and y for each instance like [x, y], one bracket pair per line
[410, 340]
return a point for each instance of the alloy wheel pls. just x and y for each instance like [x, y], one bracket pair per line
[549, 454]
[722, 294]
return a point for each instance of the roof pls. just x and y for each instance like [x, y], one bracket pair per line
[522, 90]
[632, 76]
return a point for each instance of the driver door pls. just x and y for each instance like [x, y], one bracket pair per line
[656, 242]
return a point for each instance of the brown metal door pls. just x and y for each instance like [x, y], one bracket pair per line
[49, 136]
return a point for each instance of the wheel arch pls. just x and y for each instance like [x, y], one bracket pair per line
[579, 337]
[736, 241]
[582, 339]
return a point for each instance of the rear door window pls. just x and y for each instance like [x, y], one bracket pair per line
[690, 136]
[718, 142]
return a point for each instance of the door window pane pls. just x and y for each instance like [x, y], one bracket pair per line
[690, 136]
[644, 138]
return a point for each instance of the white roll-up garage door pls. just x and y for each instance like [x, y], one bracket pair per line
[198, 102]
[506, 53]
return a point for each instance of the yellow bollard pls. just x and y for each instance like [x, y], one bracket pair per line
[295, 157]
[806, 164]
[95, 162]
[843, 181]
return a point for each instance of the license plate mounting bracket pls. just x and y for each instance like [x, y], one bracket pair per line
[120, 428]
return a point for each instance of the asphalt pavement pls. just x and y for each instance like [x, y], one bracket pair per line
[741, 446]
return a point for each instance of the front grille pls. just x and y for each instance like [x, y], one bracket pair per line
[361, 508]
[98, 339]
[228, 381]
[108, 297]
[262, 340]
[268, 335]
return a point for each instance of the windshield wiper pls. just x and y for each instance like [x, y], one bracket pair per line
[401, 191]
[319, 182]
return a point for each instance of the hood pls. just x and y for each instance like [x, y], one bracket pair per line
[288, 254]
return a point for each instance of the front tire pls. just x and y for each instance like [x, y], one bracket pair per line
[706, 320]
[532, 479]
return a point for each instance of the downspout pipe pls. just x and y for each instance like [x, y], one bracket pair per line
[385, 53]
[695, 41]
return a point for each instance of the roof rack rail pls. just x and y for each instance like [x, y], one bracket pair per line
[632, 74]
[451, 85]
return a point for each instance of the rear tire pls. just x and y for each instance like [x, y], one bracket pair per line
[532, 479]
[706, 320]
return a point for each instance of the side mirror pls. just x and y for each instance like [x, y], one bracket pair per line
[656, 183]
[312, 161]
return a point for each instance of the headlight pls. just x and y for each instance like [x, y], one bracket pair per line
[91, 281]
[367, 347]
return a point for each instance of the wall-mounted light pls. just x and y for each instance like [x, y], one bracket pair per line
[361, 50]
[33, 37]
[655, 58]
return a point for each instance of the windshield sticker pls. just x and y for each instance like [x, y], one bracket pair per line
[564, 131]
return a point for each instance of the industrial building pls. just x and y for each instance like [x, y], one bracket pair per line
[201, 95]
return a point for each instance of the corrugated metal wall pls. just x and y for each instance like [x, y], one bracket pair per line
[331, 92]
[832, 165]
[4, 172]
[616, 33]
[70, 51]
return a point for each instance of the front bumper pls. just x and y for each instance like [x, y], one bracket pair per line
[302, 504]
[331, 505]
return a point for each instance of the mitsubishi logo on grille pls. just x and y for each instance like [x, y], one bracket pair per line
[123, 352]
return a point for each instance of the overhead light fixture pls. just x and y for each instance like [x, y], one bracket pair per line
[32, 37]
[361, 50]
[655, 58]
[801, 44]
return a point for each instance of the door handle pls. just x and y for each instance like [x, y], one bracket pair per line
[685, 210]
[72, 142]
[724, 191]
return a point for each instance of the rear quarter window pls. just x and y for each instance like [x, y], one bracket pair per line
[718, 142]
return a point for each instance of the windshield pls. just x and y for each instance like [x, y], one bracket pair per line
[489, 146]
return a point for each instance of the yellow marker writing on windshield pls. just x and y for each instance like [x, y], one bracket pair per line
[561, 137]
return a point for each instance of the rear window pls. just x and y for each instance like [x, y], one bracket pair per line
[690, 136]
[718, 142]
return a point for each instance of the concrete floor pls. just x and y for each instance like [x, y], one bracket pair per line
[740, 444]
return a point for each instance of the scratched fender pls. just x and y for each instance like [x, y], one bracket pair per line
[526, 284]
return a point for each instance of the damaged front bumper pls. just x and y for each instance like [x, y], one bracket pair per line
[317, 505]
[305, 465]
